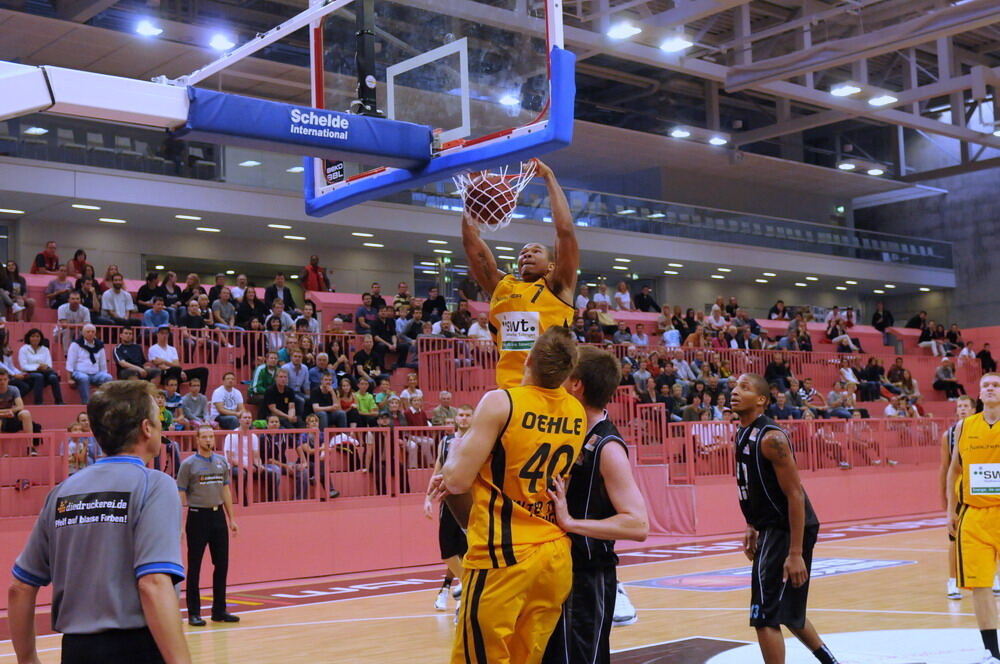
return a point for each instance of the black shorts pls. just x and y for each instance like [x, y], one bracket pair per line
[958, 510]
[581, 635]
[451, 538]
[116, 646]
[774, 602]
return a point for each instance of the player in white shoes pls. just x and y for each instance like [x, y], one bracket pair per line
[964, 406]
[451, 537]
[625, 613]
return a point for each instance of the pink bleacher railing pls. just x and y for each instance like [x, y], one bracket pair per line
[383, 463]
[699, 451]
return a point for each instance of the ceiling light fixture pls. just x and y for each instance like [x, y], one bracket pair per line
[283, 227]
[293, 237]
[879, 291]
[36, 131]
[619, 267]
[442, 251]
[221, 42]
[840, 287]
[623, 30]
[83, 206]
[876, 171]
[507, 257]
[656, 215]
[924, 289]
[812, 278]
[295, 169]
[845, 90]
[159, 267]
[250, 163]
[293, 276]
[761, 281]
[724, 269]
[374, 245]
[112, 220]
[147, 29]
[882, 100]
[846, 166]
[627, 211]
[675, 44]
[189, 217]
[718, 141]
[675, 264]
[851, 282]
[499, 248]
[209, 229]
[800, 284]
[10, 211]
[671, 272]
[718, 276]
[437, 242]
[623, 260]
[230, 271]
[889, 286]
[360, 234]
[769, 274]
[680, 132]
[510, 100]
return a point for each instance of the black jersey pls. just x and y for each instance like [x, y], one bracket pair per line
[763, 502]
[587, 497]
[951, 438]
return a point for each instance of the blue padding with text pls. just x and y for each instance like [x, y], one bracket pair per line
[218, 117]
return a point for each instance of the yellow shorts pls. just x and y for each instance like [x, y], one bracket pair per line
[978, 546]
[508, 614]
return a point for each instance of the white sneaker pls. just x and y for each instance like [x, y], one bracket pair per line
[953, 591]
[441, 603]
[625, 613]
[456, 590]
[996, 585]
[988, 658]
[17, 308]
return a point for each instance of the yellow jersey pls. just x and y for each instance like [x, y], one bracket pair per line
[979, 446]
[519, 312]
[511, 511]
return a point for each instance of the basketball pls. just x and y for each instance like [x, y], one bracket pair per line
[489, 198]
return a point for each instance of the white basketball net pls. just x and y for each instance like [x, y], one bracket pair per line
[494, 215]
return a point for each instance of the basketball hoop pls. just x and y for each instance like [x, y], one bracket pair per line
[491, 198]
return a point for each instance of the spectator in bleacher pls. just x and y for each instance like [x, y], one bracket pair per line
[78, 264]
[907, 385]
[171, 294]
[263, 378]
[383, 392]
[927, 340]
[18, 290]
[940, 337]
[14, 417]
[838, 401]
[732, 306]
[402, 295]
[298, 375]
[882, 319]
[944, 380]
[601, 295]
[35, 359]
[692, 412]
[445, 322]
[622, 334]
[986, 360]
[778, 311]
[918, 321]
[345, 395]
[365, 315]
[480, 328]
[194, 407]
[954, 337]
[156, 316]
[250, 307]
[242, 450]
[444, 410]
[87, 363]
[227, 403]
[383, 333]
[778, 372]
[434, 306]
[641, 375]
[18, 378]
[376, 292]
[308, 317]
[368, 360]
[220, 283]
[622, 299]
[325, 404]
[279, 291]
[130, 361]
[639, 336]
[413, 327]
[280, 401]
[47, 260]
[224, 311]
[321, 368]
[836, 333]
[716, 323]
[647, 393]
[895, 409]
[582, 298]
[742, 321]
[314, 277]
[117, 304]
[644, 301]
[57, 291]
[192, 289]
[195, 333]
[274, 336]
[461, 319]
[626, 379]
[412, 389]
[149, 290]
[240, 288]
[165, 358]
[87, 273]
[782, 410]
[71, 318]
[171, 396]
[851, 400]
[671, 336]
[967, 354]
[364, 401]
[205, 309]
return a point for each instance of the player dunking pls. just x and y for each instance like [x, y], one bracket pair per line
[451, 537]
[518, 566]
[524, 306]
[781, 525]
[964, 407]
[976, 523]
[601, 504]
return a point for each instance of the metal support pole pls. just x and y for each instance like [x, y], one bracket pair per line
[364, 58]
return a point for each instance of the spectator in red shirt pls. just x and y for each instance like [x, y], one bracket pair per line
[76, 266]
[314, 277]
[46, 262]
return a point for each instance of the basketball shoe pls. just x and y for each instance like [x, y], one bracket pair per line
[441, 603]
[625, 613]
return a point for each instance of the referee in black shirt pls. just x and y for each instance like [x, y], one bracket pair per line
[107, 540]
[601, 504]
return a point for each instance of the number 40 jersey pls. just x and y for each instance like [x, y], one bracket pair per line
[519, 312]
[511, 510]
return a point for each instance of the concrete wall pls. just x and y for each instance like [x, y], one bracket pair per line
[353, 269]
[968, 216]
[757, 299]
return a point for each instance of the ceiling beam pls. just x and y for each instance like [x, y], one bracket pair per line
[950, 171]
[688, 11]
[934, 25]
[907, 98]
[81, 11]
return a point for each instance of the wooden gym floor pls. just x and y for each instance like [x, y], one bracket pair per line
[877, 592]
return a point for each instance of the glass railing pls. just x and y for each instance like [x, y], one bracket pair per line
[70, 140]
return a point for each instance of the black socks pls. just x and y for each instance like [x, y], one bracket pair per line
[990, 641]
[824, 655]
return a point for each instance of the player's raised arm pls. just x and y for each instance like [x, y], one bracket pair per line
[567, 258]
[468, 456]
[776, 449]
[482, 264]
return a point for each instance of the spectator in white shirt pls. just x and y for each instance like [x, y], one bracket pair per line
[242, 450]
[411, 390]
[893, 408]
[227, 403]
[639, 337]
[309, 315]
[71, 316]
[87, 363]
[240, 287]
[622, 298]
[967, 354]
[165, 358]
[671, 337]
[583, 297]
[117, 304]
[36, 361]
[833, 314]
[278, 311]
[298, 375]
[602, 295]
[480, 329]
